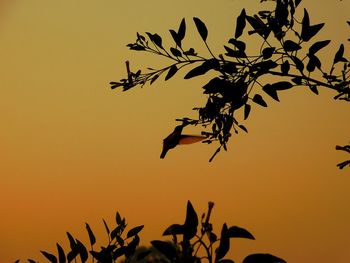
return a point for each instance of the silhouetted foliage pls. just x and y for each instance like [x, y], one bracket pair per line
[190, 243]
[287, 54]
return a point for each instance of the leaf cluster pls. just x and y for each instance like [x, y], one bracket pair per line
[192, 242]
[288, 56]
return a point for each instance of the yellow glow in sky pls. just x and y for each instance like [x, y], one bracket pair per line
[74, 151]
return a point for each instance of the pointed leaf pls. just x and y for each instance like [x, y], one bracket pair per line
[240, 24]
[224, 245]
[318, 46]
[191, 222]
[270, 91]
[305, 25]
[203, 68]
[61, 254]
[174, 229]
[182, 30]
[312, 31]
[202, 29]
[49, 256]
[259, 100]
[290, 45]
[176, 38]
[281, 85]
[298, 63]
[82, 252]
[175, 52]
[314, 89]
[118, 218]
[268, 52]
[106, 227]
[339, 55]
[238, 232]
[134, 231]
[172, 71]
[91, 234]
[247, 109]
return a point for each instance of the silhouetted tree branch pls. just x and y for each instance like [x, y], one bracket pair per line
[287, 58]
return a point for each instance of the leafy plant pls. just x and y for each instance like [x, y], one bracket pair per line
[288, 58]
[190, 244]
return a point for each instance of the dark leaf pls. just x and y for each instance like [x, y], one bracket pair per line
[312, 31]
[263, 258]
[172, 71]
[106, 227]
[314, 89]
[203, 68]
[32, 261]
[297, 2]
[61, 254]
[154, 78]
[174, 229]
[240, 45]
[156, 39]
[118, 218]
[202, 29]
[313, 63]
[285, 67]
[72, 242]
[318, 46]
[234, 53]
[176, 38]
[191, 222]
[268, 52]
[259, 100]
[290, 45]
[166, 248]
[305, 25]
[17, 261]
[91, 234]
[298, 63]
[82, 251]
[339, 55]
[270, 91]
[258, 26]
[224, 245]
[238, 232]
[175, 52]
[182, 30]
[240, 24]
[297, 80]
[134, 231]
[247, 109]
[49, 256]
[243, 128]
[281, 85]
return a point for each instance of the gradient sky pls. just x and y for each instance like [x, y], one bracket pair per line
[74, 151]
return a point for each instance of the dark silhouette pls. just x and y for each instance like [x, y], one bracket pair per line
[175, 138]
[287, 51]
[190, 243]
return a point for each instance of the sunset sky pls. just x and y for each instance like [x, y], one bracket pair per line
[75, 151]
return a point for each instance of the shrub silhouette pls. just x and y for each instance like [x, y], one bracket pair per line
[288, 56]
[190, 243]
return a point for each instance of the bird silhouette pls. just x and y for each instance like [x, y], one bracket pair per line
[175, 138]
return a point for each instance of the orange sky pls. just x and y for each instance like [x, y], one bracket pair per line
[73, 151]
